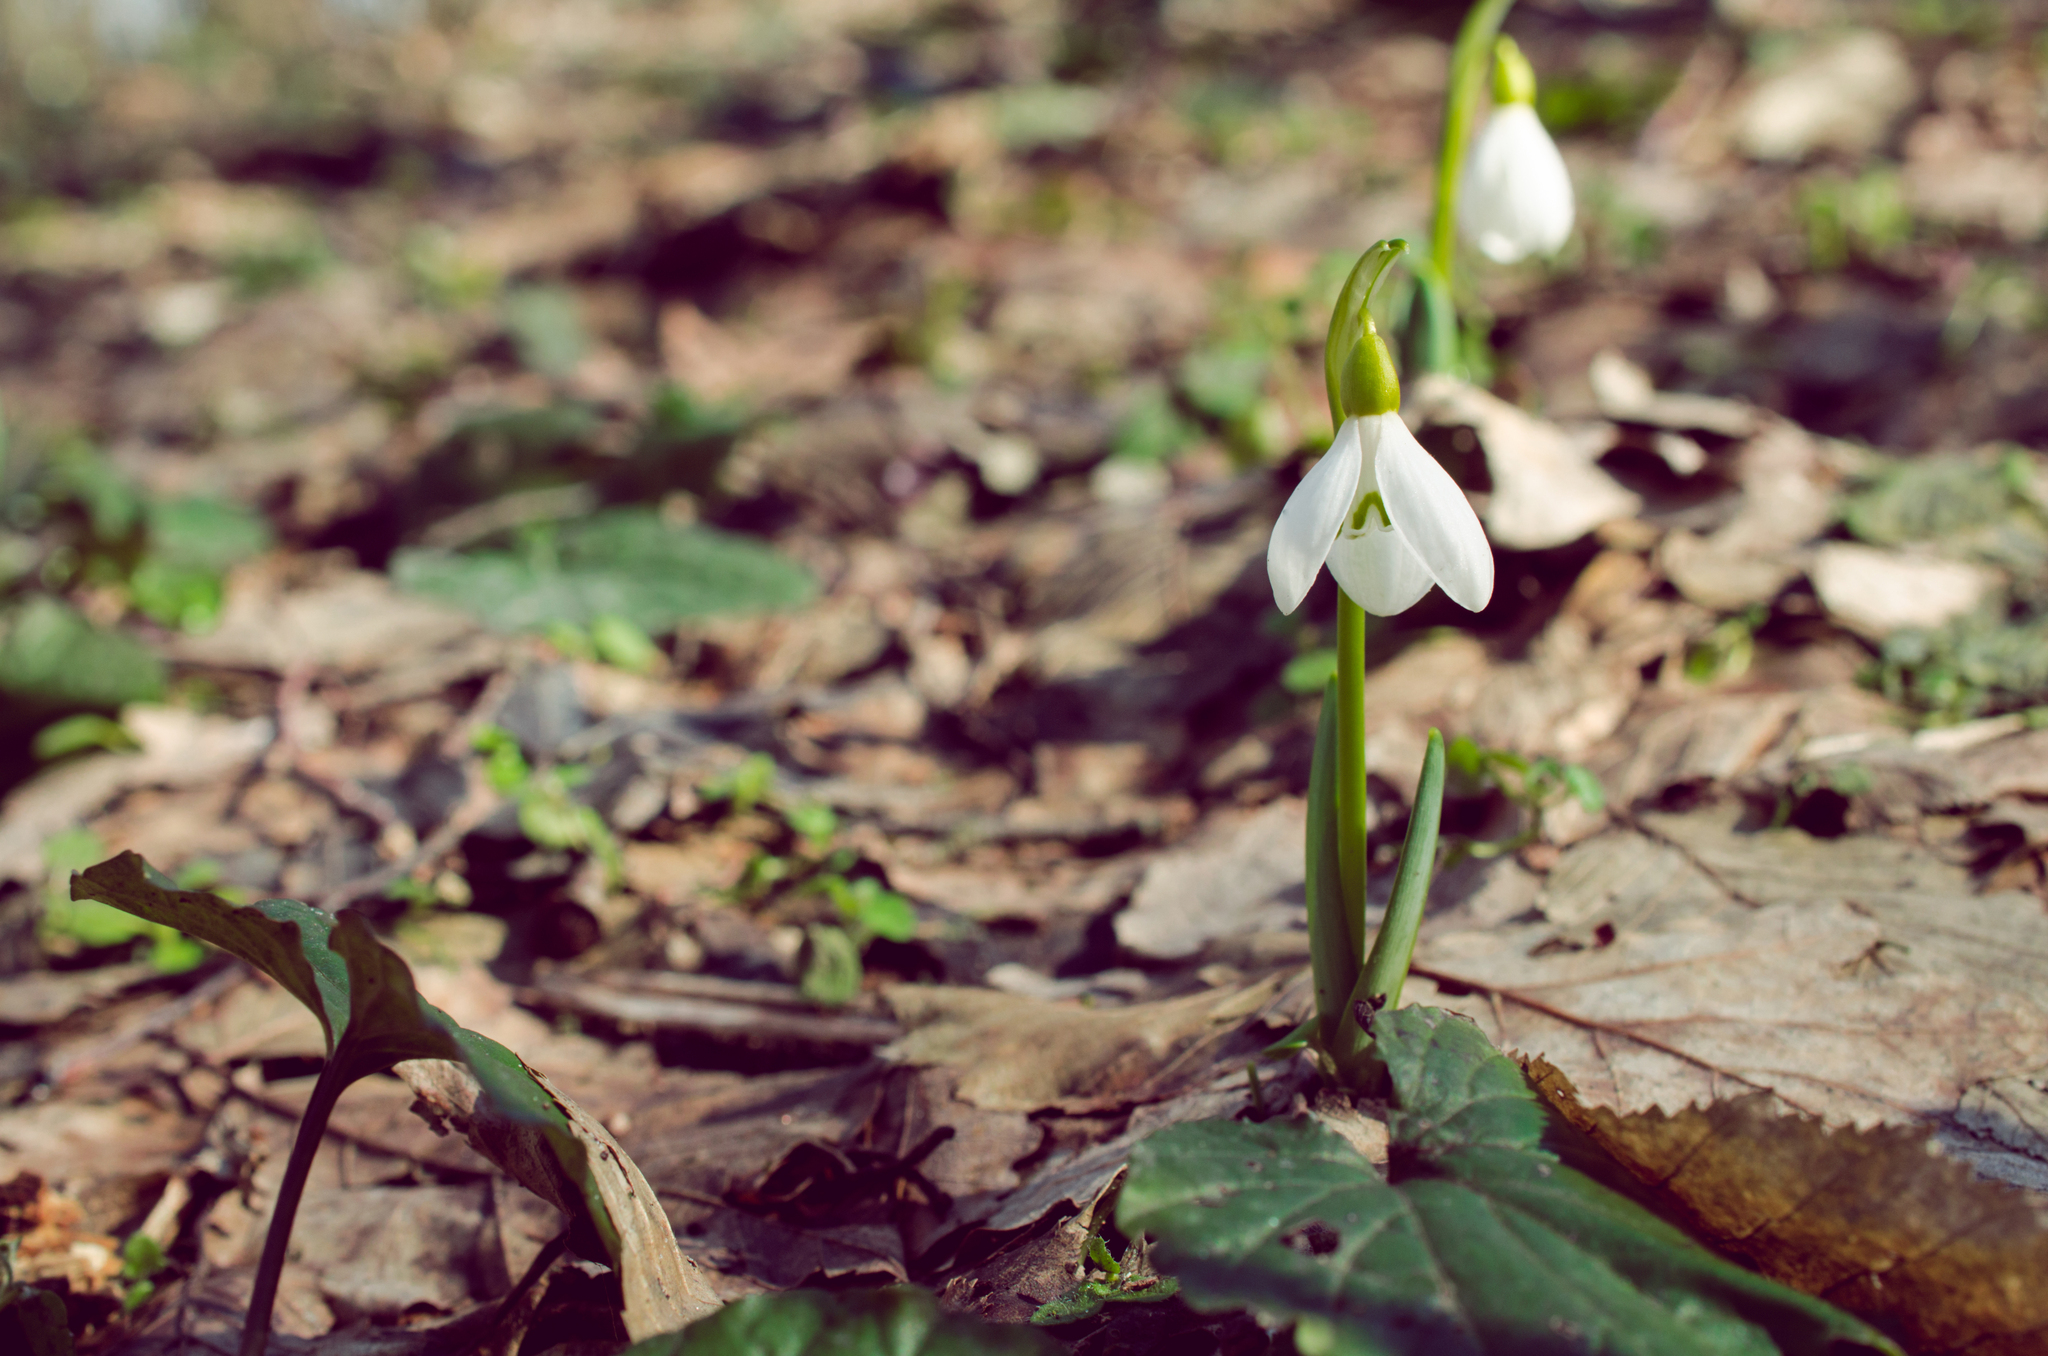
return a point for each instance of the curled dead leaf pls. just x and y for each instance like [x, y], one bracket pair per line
[663, 1289]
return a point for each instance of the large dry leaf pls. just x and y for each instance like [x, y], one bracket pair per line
[1022, 1054]
[1548, 488]
[1786, 502]
[1624, 391]
[1238, 877]
[1859, 979]
[1876, 1220]
[663, 1289]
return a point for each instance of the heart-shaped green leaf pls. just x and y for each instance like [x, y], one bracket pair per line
[283, 938]
[1480, 1240]
[364, 996]
[898, 1321]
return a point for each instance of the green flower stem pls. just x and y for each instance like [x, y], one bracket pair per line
[1333, 955]
[312, 1129]
[1351, 805]
[1386, 969]
[1471, 59]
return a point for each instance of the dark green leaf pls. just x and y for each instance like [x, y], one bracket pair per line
[32, 1322]
[387, 1020]
[897, 1321]
[626, 563]
[1481, 1241]
[52, 654]
[283, 938]
[361, 991]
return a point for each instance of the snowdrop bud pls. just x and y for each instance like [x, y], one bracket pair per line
[1516, 194]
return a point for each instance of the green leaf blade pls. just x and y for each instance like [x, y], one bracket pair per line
[625, 564]
[898, 1320]
[1481, 1241]
[1331, 953]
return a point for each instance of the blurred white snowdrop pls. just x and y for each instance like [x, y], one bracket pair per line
[1387, 520]
[138, 29]
[388, 14]
[1516, 196]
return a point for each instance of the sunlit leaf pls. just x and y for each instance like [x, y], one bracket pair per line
[51, 654]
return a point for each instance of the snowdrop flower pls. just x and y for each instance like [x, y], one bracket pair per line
[1387, 520]
[1517, 196]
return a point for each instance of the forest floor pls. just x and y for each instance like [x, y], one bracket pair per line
[374, 386]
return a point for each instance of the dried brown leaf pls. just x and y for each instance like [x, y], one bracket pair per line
[1021, 1054]
[1877, 1221]
[663, 1289]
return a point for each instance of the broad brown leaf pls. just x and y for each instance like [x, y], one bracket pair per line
[1876, 1221]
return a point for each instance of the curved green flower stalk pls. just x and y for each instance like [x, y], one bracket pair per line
[1470, 58]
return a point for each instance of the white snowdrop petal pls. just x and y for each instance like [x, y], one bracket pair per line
[1371, 563]
[1378, 570]
[1516, 196]
[1432, 517]
[1310, 521]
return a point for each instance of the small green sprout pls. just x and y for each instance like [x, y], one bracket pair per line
[744, 787]
[75, 734]
[1537, 785]
[816, 823]
[1128, 1282]
[832, 962]
[549, 814]
[141, 1260]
